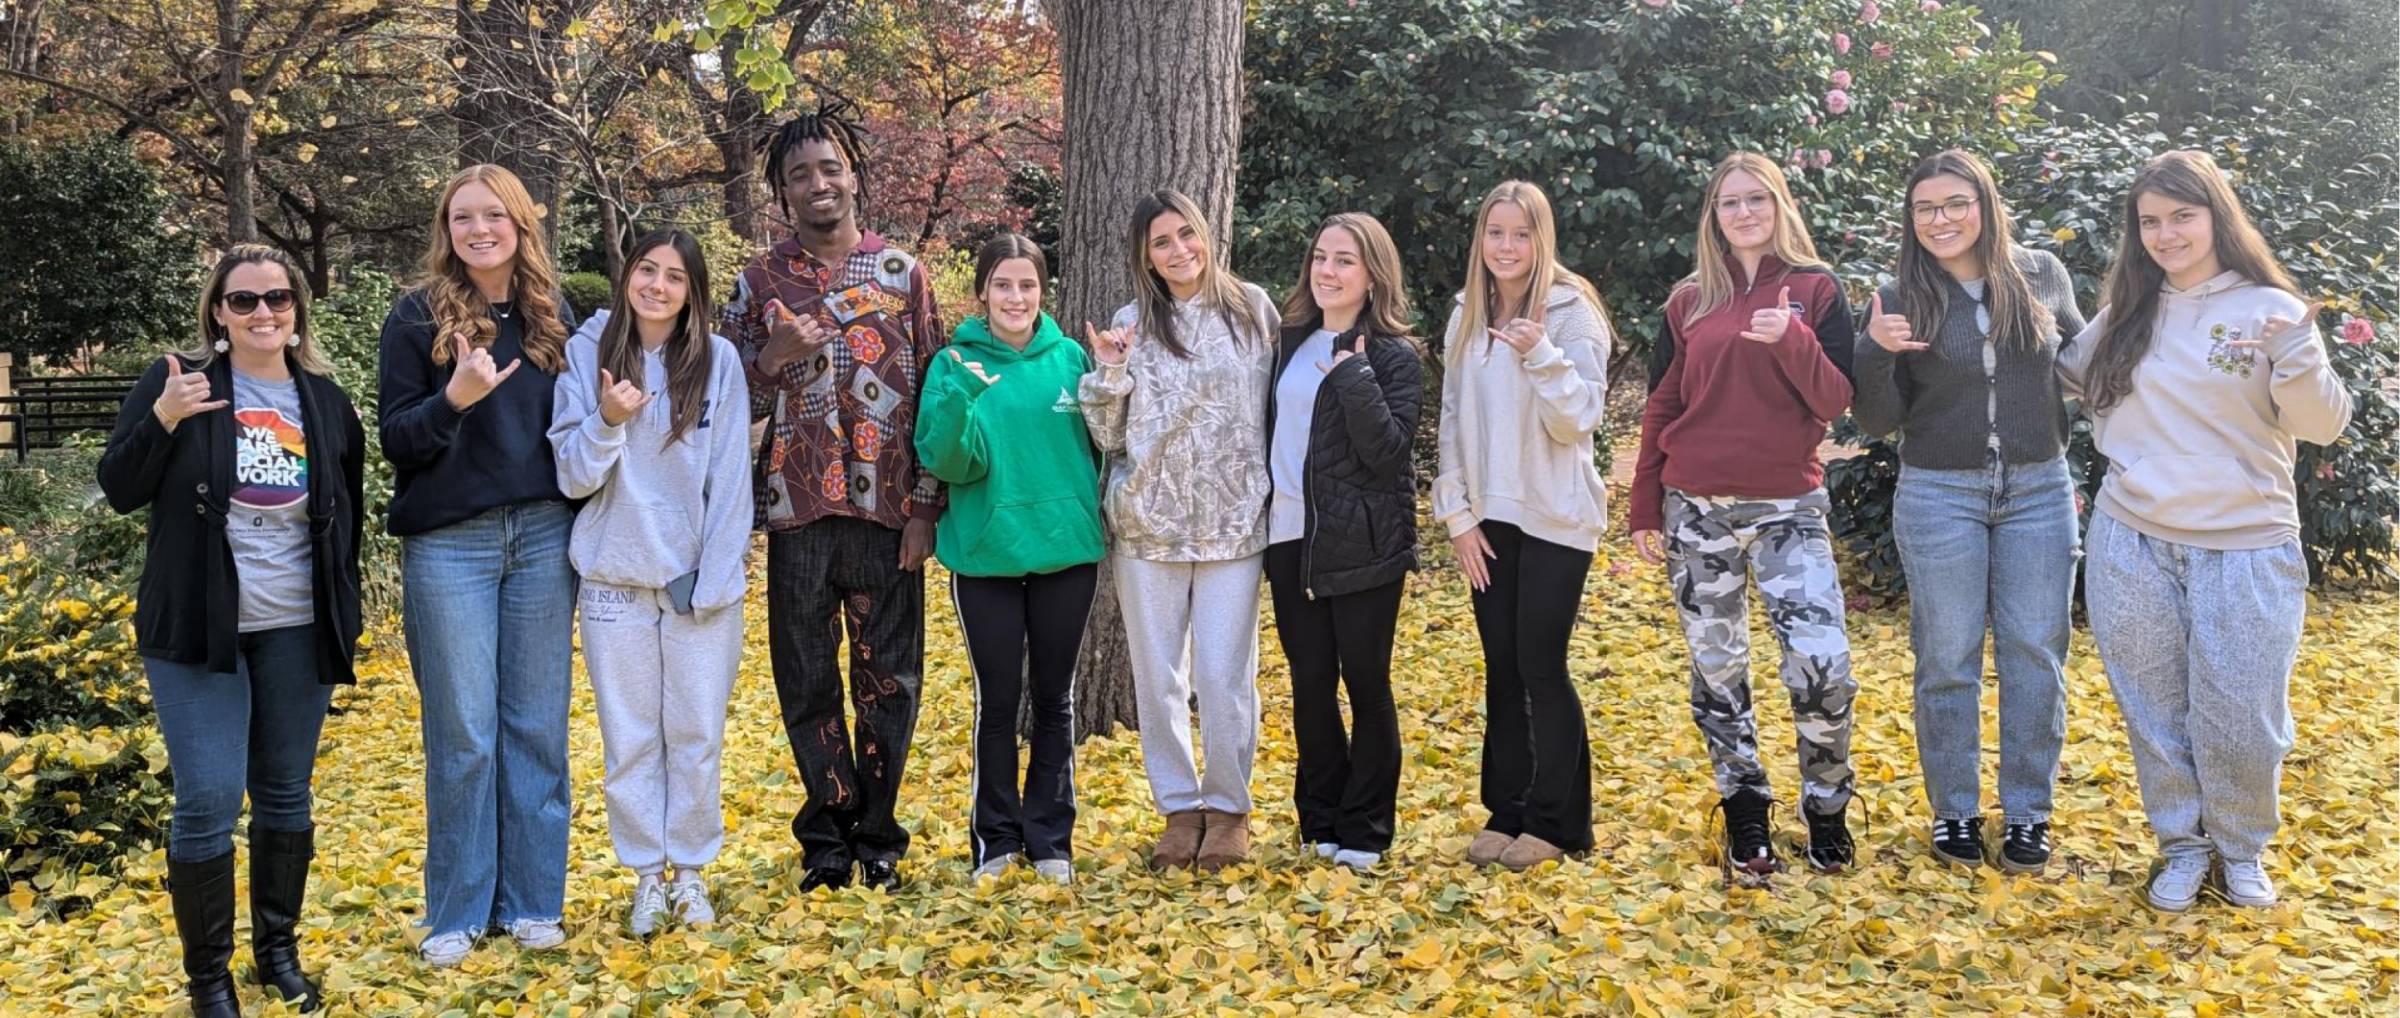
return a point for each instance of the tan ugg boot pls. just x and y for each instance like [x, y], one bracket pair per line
[1180, 842]
[1486, 848]
[1528, 852]
[1227, 841]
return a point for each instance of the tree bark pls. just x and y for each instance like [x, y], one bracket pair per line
[238, 164]
[1153, 95]
[497, 122]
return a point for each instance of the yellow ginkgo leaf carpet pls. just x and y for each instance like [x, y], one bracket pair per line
[1643, 925]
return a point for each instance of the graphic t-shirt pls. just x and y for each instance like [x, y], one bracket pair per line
[268, 519]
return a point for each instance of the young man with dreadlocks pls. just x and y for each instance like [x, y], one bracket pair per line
[836, 328]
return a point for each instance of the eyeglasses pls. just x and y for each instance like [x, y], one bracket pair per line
[242, 302]
[1755, 203]
[1955, 209]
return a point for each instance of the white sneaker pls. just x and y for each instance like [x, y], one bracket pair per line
[537, 934]
[2177, 884]
[649, 905]
[2246, 884]
[1056, 871]
[1326, 849]
[445, 950]
[995, 867]
[690, 899]
[1359, 862]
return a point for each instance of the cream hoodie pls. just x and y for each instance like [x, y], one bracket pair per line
[2200, 452]
[1516, 430]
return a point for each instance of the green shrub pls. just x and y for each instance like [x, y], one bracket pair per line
[88, 215]
[73, 801]
[588, 292]
[349, 327]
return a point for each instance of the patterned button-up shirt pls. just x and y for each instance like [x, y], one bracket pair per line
[840, 438]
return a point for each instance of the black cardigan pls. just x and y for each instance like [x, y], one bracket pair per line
[1360, 478]
[187, 609]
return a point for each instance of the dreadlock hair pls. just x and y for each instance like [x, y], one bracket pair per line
[835, 121]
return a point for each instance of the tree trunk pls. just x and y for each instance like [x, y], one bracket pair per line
[496, 122]
[745, 124]
[238, 164]
[1153, 96]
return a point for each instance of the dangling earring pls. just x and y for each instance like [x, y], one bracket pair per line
[293, 342]
[221, 345]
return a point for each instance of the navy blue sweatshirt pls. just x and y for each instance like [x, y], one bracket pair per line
[450, 465]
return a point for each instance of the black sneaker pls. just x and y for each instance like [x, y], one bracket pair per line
[1959, 842]
[878, 873]
[2025, 848]
[1829, 849]
[836, 877]
[1749, 848]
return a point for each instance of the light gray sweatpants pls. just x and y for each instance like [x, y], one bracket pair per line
[2199, 646]
[1193, 626]
[661, 681]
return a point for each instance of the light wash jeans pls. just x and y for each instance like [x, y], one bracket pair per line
[2199, 646]
[253, 729]
[488, 611]
[1990, 548]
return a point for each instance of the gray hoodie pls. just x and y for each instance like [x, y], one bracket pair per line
[657, 511]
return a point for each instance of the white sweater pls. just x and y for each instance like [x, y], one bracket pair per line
[1516, 430]
[657, 511]
[2200, 452]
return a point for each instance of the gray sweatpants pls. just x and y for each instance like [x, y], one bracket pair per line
[2199, 646]
[660, 681]
[1193, 627]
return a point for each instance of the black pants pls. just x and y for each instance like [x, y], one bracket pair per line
[839, 570]
[1537, 762]
[1347, 783]
[1016, 625]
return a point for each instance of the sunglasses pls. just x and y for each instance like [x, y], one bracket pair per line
[242, 302]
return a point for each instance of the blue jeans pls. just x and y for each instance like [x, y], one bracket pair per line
[252, 730]
[488, 611]
[1996, 547]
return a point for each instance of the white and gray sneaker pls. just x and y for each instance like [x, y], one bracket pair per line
[1357, 861]
[1325, 849]
[537, 934]
[995, 867]
[446, 950]
[649, 905]
[2177, 883]
[1056, 871]
[2245, 884]
[690, 899]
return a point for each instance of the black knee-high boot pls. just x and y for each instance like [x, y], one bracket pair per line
[278, 884]
[202, 894]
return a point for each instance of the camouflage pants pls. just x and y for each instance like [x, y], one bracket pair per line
[1714, 546]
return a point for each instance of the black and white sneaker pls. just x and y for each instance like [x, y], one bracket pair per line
[1959, 842]
[2025, 848]
[1749, 846]
[1829, 848]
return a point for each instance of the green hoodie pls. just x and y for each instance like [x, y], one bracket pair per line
[1024, 478]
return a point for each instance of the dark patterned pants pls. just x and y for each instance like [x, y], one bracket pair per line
[835, 572]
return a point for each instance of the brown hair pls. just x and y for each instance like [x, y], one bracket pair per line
[1712, 270]
[2130, 297]
[1387, 312]
[304, 353]
[2016, 316]
[459, 307]
[1003, 247]
[687, 350]
[1221, 290]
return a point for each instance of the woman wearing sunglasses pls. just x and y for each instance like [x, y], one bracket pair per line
[249, 459]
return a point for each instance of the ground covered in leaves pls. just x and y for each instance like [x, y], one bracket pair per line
[1642, 926]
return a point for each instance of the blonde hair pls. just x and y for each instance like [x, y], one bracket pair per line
[1479, 295]
[1712, 268]
[1387, 312]
[303, 353]
[458, 306]
[1220, 289]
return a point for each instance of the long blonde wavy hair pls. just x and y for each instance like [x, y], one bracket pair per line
[459, 307]
[1712, 265]
[1481, 296]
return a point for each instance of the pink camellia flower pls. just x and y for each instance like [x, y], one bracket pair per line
[2357, 331]
[1837, 102]
[1812, 120]
[1799, 160]
[1930, 6]
[1870, 13]
[1841, 79]
[1548, 109]
[1899, 107]
[1882, 50]
[1841, 43]
[1824, 158]
[2324, 471]
[1658, 3]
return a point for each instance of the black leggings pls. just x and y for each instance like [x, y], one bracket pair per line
[1347, 782]
[1014, 625]
[1537, 761]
